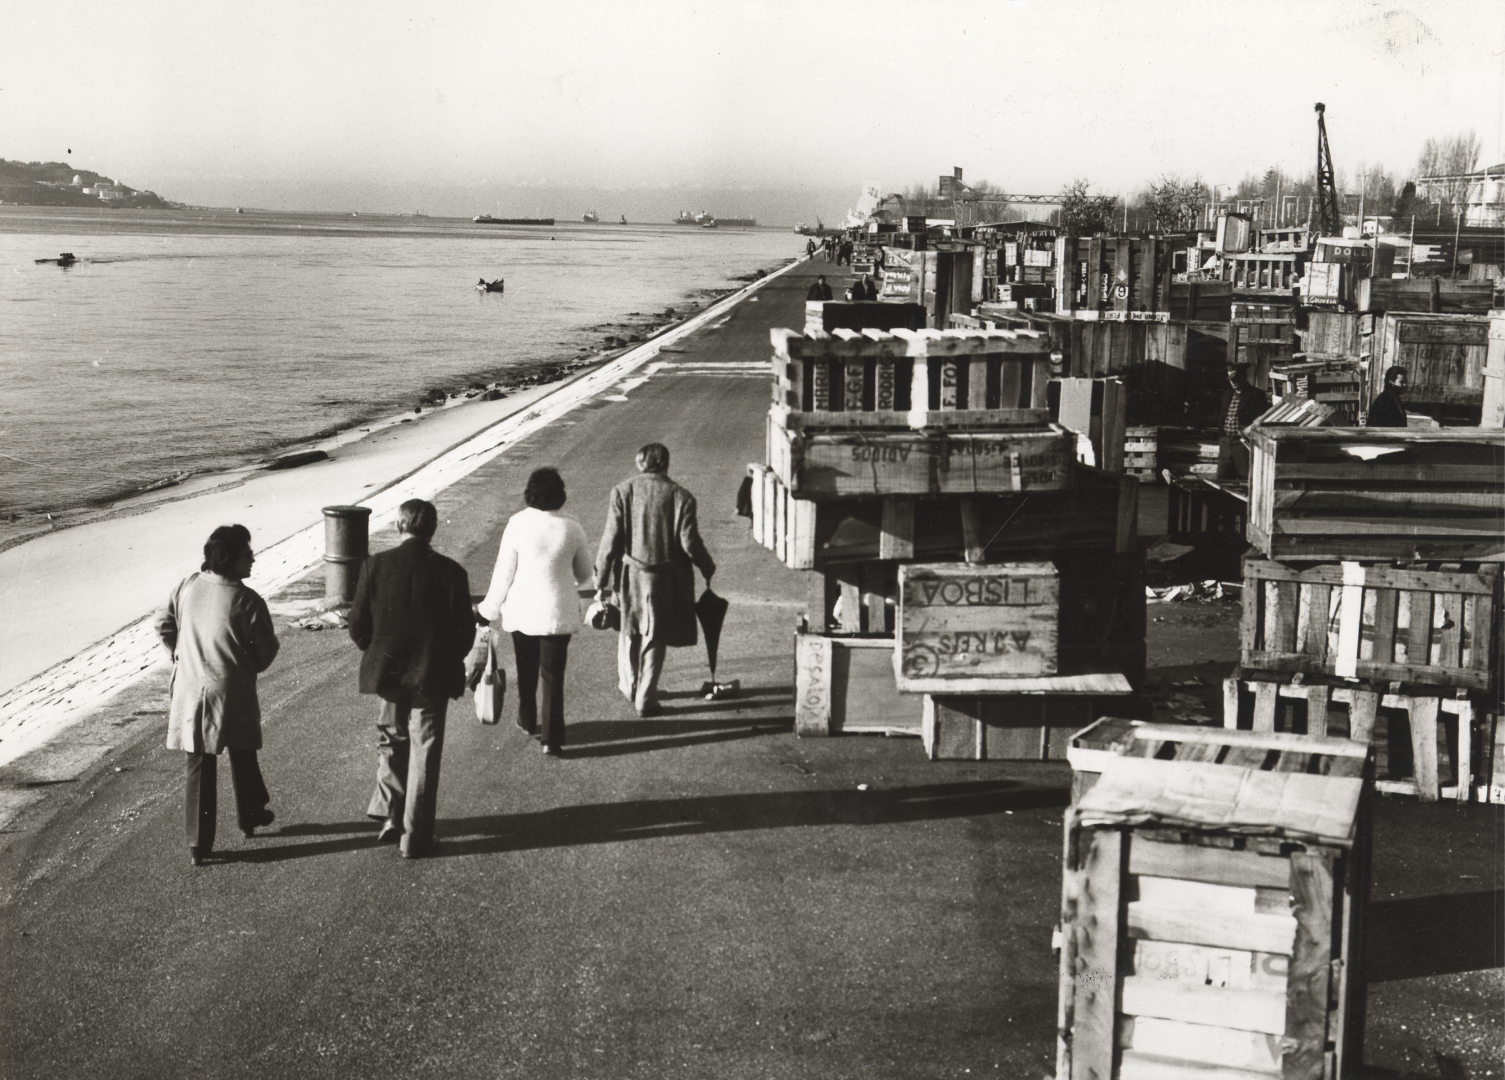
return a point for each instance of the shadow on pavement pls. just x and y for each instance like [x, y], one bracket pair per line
[610, 823]
[1434, 935]
[630, 738]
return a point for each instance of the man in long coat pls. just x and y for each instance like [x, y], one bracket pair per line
[413, 621]
[648, 552]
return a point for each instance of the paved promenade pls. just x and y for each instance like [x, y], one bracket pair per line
[697, 895]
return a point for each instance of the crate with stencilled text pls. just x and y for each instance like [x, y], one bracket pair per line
[1213, 896]
[1349, 494]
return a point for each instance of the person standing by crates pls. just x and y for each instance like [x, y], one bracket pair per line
[1242, 405]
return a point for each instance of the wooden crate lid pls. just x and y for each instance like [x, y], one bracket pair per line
[1202, 795]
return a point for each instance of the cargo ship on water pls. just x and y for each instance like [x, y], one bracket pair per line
[711, 221]
[487, 219]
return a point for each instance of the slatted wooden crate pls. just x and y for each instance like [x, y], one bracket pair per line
[1196, 506]
[1214, 887]
[1013, 727]
[1337, 384]
[1429, 625]
[1444, 357]
[1189, 451]
[845, 685]
[910, 379]
[1335, 494]
[1274, 274]
[1436, 725]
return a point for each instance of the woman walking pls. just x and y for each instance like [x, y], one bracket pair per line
[543, 560]
[220, 637]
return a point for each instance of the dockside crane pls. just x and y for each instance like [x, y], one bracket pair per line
[1329, 217]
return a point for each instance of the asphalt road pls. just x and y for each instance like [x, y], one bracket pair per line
[700, 895]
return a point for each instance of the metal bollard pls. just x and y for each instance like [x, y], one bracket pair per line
[346, 532]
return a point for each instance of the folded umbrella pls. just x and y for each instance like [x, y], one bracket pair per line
[710, 610]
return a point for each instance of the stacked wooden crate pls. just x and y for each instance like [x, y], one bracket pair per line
[1213, 896]
[1141, 454]
[1262, 336]
[889, 452]
[1444, 357]
[1382, 590]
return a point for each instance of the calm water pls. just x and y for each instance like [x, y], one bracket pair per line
[189, 341]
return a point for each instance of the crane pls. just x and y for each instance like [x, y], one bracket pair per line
[1329, 218]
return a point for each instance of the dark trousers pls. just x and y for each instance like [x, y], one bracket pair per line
[251, 795]
[540, 685]
[410, 742]
[1233, 458]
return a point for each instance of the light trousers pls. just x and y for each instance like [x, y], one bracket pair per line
[639, 664]
[410, 743]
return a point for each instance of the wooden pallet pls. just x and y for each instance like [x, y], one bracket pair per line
[1430, 624]
[1216, 933]
[1334, 494]
[1263, 706]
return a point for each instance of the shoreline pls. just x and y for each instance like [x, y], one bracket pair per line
[92, 593]
[21, 525]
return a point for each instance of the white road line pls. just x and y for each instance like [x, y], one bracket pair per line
[40, 709]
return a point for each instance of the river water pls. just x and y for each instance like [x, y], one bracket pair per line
[193, 341]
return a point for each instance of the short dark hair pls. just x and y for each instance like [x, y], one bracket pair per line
[417, 518]
[225, 545]
[545, 490]
[1391, 373]
[1240, 369]
[653, 457]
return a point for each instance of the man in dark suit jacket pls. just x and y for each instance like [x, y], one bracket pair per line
[412, 618]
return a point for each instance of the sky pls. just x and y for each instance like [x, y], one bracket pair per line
[316, 105]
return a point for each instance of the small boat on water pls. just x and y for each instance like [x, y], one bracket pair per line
[67, 258]
[624, 219]
[487, 219]
[590, 217]
[708, 224]
[499, 285]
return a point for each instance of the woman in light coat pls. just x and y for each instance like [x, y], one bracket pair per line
[543, 560]
[220, 637]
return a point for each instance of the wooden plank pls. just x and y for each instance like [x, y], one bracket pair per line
[1205, 926]
[1277, 664]
[1215, 1047]
[1305, 1036]
[1280, 630]
[851, 385]
[1450, 635]
[800, 553]
[1385, 606]
[1361, 715]
[1010, 385]
[1483, 650]
[1230, 697]
[1465, 758]
[850, 621]
[977, 383]
[1194, 862]
[874, 608]
[896, 535]
[1274, 740]
[1242, 1010]
[973, 543]
[1316, 710]
[1350, 623]
[812, 690]
[1424, 746]
[1264, 707]
[1136, 1065]
[1090, 914]
[1419, 634]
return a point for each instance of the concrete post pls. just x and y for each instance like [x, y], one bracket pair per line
[346, 530]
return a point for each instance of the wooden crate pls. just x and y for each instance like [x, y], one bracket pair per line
[1005, 727]
[1444, 357]
[1493, 401]
[1197, 506]
[1262, 274]
[1213, 896]
[1427, 626]
[910, 379]
[866, 315]
[968, 627]
[1378, 295]
[1142, 453]
[1464, 734]
[1335, 494]
[1113, 273]
[1095, 408]
[845, 685]
[841, 464]
[1335, 383]
[781, 523]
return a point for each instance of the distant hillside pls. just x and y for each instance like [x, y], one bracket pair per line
[55, 183]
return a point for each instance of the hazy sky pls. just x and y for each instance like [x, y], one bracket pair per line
[198, 96]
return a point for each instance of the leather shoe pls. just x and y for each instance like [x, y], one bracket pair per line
[265, 817]
[648, 709]
[195, 856]
[390, 833]
[416, 849]
[552, 751]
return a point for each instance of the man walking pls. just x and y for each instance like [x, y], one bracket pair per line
[412, 618]
[648, 552]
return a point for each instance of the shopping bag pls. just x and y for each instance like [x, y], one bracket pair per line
[491, 691]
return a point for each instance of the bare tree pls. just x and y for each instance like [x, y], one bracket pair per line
[1449, 157]
[1083, 213]
[1173, 204]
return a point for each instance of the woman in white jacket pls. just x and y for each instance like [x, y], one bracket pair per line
[544, 559]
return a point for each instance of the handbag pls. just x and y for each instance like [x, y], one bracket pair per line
[491, 691]
[604, 615]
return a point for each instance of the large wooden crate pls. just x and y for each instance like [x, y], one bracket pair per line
[842, 464]
[965, 627]
[1008, 727]
[1335, 494]
[875, 379]
[1116, 273]
[1430, 626]
[1214, 886]
[1444, 357]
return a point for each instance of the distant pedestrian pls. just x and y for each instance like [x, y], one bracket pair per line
[1387, 410]
[820, 290]
[413, 621]
[648, 552]
[810, 248]
[220, 637]
[543, 561]
[828, 248]
[1242, 405]
[869, 290]
[844, 254]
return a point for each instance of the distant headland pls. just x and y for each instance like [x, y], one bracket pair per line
[56, 183]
